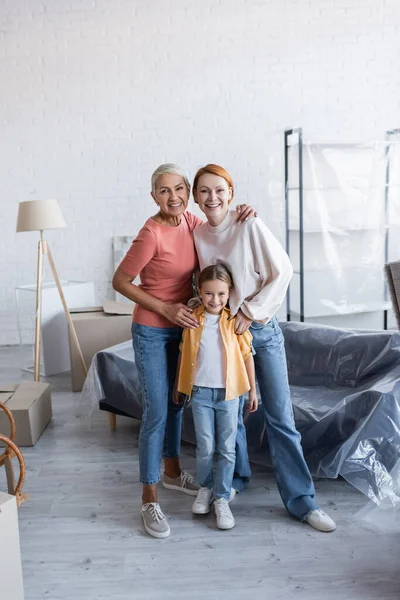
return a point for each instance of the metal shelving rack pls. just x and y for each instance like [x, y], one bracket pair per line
[389, 135]
[288, 132]
[297, 131]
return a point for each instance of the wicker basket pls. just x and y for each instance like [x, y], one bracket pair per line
[11, 451]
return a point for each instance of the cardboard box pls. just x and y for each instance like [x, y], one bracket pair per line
[97, 328]
[30, 404]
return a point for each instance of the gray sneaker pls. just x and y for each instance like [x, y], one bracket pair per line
[154, 520]
[184, 483]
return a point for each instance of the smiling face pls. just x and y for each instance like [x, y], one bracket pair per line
[214, 294]
[213, 195]
[171, 195]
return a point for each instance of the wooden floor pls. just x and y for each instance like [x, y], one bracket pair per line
[82, 538]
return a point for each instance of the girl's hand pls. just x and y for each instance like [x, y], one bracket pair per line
[180, 314]
[245, 211]
[242, 323]
[252, 403]
[178, 397]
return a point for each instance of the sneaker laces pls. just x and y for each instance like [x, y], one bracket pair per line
[203, 495]
[155, 511]
[186, 478]
[318, 512]
[223, 507]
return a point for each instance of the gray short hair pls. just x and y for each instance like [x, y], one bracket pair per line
[168, 169]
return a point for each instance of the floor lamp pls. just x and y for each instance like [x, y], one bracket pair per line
[39, 215]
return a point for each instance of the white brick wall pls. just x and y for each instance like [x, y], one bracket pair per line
[95, 94]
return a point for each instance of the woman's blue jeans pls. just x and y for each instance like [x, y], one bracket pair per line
[293, 477]
[156, 356]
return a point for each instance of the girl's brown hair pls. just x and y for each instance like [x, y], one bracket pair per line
[214, 170]
[216, 272]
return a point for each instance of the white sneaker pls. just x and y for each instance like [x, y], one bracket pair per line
[320, 520]
[223, 513]
[232, 494]
[201, 506]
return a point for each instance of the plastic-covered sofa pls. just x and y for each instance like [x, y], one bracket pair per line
[345, 388]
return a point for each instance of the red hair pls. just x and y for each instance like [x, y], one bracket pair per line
[214, 170]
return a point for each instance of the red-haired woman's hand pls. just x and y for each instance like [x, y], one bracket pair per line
[242, 323]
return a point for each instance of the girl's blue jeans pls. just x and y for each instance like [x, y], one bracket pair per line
[215, 421]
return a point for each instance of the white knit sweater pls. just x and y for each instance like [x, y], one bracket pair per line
[260, 267]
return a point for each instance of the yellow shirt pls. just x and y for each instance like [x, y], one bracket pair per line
[237, 349]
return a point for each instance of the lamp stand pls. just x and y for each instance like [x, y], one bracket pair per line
[38, 323]
[43, 248]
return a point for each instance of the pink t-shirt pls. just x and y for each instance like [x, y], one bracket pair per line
[165, 258]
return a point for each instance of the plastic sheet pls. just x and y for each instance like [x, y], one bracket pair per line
[345, 229]
[384, 517]
[345, 388]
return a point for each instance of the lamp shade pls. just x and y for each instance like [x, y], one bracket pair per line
[37, 215]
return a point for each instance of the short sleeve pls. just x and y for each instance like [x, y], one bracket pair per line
[244, 341]
[192, 220]
[143, 249]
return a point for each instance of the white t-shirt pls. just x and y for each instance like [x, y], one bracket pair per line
[260, 268]
[211, 361]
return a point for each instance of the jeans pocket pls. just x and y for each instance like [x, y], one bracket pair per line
[257, 326]
[271, 324]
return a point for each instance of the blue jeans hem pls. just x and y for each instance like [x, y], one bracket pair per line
[307, 513]
[152, 482]
[222, 496]
[240, 483]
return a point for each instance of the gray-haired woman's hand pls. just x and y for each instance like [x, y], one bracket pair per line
[245, 211]
[180, 314]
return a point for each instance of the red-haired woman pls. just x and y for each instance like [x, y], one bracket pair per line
[261, 272]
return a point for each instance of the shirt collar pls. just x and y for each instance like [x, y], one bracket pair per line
[201, 312]
[229, 219]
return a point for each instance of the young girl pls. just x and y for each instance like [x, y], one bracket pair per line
[215, 367]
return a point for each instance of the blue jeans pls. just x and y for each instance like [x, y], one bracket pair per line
[293, 477]
[215, 421]
[156, 356]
